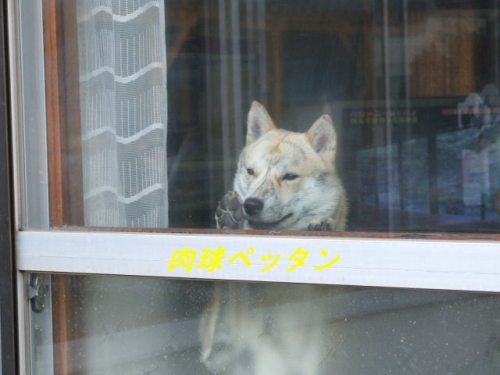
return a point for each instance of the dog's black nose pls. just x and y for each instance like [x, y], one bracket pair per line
[253, 206]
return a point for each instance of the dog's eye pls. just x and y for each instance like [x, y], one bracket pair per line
[250, 171]
[290, 176]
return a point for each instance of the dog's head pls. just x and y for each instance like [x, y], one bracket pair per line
[286, 179]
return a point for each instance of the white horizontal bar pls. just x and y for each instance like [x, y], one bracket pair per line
[423, 264]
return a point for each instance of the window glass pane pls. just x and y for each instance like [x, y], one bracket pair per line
[156, 108]
[120, 325]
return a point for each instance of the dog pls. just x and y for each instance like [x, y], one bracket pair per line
[284, 181]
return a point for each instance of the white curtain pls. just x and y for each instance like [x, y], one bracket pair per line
[122, 56]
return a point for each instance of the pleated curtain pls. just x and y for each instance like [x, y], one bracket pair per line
[122, 57]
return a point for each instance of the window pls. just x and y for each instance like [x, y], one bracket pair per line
[129, 120]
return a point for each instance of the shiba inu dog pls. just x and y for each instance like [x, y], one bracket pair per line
[285, 181]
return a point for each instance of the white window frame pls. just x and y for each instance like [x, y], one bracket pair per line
[418, 264]
[460, 265]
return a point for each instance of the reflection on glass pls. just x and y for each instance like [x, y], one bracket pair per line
[165, 90]
[121, 325]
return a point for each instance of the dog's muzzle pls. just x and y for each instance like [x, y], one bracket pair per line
[253, 206]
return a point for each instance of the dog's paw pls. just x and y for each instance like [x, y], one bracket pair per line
[229, 212]
[326, 224]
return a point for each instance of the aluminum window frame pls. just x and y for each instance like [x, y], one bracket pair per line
[408, 263]
[440, 264]
[8, 303]
[459, 264]
[398, 263]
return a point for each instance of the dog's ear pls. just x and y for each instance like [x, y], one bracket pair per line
[259, 122]
[323, 137]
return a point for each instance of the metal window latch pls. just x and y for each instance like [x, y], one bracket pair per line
[37, 292]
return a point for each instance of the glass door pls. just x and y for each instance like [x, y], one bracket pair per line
[259, 187]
